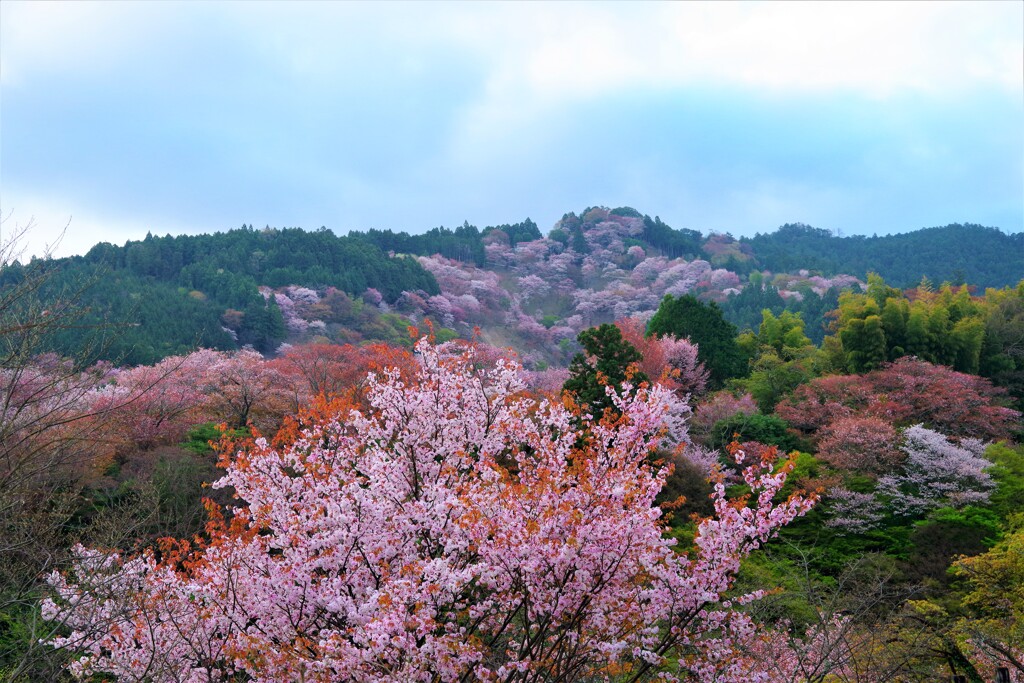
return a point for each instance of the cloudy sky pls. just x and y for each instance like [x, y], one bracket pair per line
[124, 118]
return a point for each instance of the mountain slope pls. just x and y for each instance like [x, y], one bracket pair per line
[954, 253]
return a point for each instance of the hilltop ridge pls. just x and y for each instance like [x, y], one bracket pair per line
[519, 286]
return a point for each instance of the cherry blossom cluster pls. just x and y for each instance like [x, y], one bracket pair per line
[935, 473]
[449, 528]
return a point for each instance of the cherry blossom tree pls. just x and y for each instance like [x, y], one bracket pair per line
[452, 530]
[860, 444]
[673, 360]
[911, 391]
[817, 403]
[532, 287]
[241, 388]
[937, 473]
[154, 404]
[327, 369]
[906, 392]
[720, 405]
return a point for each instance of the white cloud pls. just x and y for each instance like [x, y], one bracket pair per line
[544, 57]
[75, 37]
[877, 47]
[61, 228]
[537, 63]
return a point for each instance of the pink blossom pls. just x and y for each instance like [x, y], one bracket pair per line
[452, 529]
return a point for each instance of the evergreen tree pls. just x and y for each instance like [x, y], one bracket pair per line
[706, 327]
[606, 361]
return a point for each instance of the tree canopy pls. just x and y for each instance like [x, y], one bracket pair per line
[704, 325]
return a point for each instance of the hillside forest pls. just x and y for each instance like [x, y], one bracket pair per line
[617, 451]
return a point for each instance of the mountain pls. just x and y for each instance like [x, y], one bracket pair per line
[955, 253]
[509, 283]
[165, 295]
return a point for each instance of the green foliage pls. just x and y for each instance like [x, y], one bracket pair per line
[688, 482]
[672, 243]
[263, 326]
[781, 358]
[165, 295]
[781, 570]
[197, 440]
[705, 326]
[946, 534]
[744, 310]
[445, 334]
[276, 257]
[120, 316]
[462, 244]
[606, 361]
[627, 211]
[784, 334]
[527, 231]
[767, 429]
[993, 605]
[559, 235]
[987, 522]
[994, 259]
[1002, 352]
[881, 325]
[1008, 472]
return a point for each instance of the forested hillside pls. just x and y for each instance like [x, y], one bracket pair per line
[608, 461]
[165, 295]
[985, 257]
[262, 288]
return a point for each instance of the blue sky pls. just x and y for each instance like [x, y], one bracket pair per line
[193, 117]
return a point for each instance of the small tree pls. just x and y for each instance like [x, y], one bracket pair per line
[607, 360]
[937, 472]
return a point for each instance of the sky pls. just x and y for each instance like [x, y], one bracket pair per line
[119, 118]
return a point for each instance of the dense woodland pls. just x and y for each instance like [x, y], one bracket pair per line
[617, 452]
[993, 258]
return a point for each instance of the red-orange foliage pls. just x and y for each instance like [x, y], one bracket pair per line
[907, 392]
[861, 444]
[672, 362]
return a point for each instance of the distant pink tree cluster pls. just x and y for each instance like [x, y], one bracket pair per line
[934, 472]
[373, 297]
[681, 277]
[238, 387]
[532, 287]
[547, 382]
[606, 237]
[860, 444]
[157, 403]
[914, 427]
[473, 295]
[609, 279]
[293, 322]
[531, 330]
[790, 282]
[906, 392]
